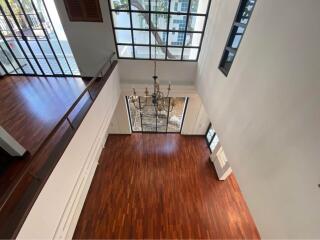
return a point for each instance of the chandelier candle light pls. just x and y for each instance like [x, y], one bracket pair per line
[158, 98]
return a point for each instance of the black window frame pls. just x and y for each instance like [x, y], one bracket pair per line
[32, 62]
[167, 122]
[225, 64]
[167, 31]
[213, 137]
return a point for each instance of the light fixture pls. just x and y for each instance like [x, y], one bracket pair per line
[158, 98]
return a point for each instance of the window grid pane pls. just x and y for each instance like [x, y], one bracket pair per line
[236, 35]
[168, 29]
[33, 40]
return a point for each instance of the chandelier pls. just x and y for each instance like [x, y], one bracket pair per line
[158, 99]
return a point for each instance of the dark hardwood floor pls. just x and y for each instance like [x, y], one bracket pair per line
[162, 186]
[31, 106]
[22, 179]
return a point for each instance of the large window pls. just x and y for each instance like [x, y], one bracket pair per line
[212, 138]
[151, 120]
[238, 28]
[32, 40]
[159, 29]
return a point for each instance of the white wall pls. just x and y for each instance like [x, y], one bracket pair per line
[196, 120]
[141, 71]
[57, 208]
[266, 111]
[91, 42]
[120, 120]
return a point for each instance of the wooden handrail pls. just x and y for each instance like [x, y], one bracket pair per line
[65, 116]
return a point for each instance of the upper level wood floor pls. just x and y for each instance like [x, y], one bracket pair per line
[30, 107]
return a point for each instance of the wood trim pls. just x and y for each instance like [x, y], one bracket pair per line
[83, 10]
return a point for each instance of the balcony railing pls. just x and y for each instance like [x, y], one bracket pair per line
[18, 201]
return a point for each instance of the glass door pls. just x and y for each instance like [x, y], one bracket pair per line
[32, 40]
[144, 116]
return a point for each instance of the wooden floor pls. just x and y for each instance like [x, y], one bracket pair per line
[162, 186]
[30, 107]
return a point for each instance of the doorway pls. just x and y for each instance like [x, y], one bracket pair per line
[145, 118]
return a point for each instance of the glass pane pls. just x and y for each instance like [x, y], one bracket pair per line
[26, 66]
[56, 47]
[214, 143]
[35, 48]
[227, 60]
[39, 34]
[35, 66]
[45, 66]
[133, 104]
[176, 38]
[159, 5]
[162, 117]
[174, 53]
[140, 5]
[210, 134]
[6, 57]
[5, 60]
[4, 7]
[125, 51]
[2, 72]
[30, 25]
[25, 49]
[141, 37]
[160, 52]
[14, 46]
[119, 4]
[27, 6]
[58, 34]
[158, 38]
[235, 41]
[179, 5]
[178, 22]
[245, 11]
[22, 21]
[149, 115]
[159, 21]
[196, 23]
[64, 65]
[121, 19]
[46, 49]
[123, 36]
[199, 6]
[193, 39]
[140, 20]
[73, 65]
[190, 53]
[176, 115]
[54, 65]
[3, 24]
[141, 52]
[14, 26]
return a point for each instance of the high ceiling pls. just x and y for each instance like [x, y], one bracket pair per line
[159, 29]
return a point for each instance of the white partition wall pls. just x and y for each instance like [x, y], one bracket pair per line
[57, 209]
[266, 112]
